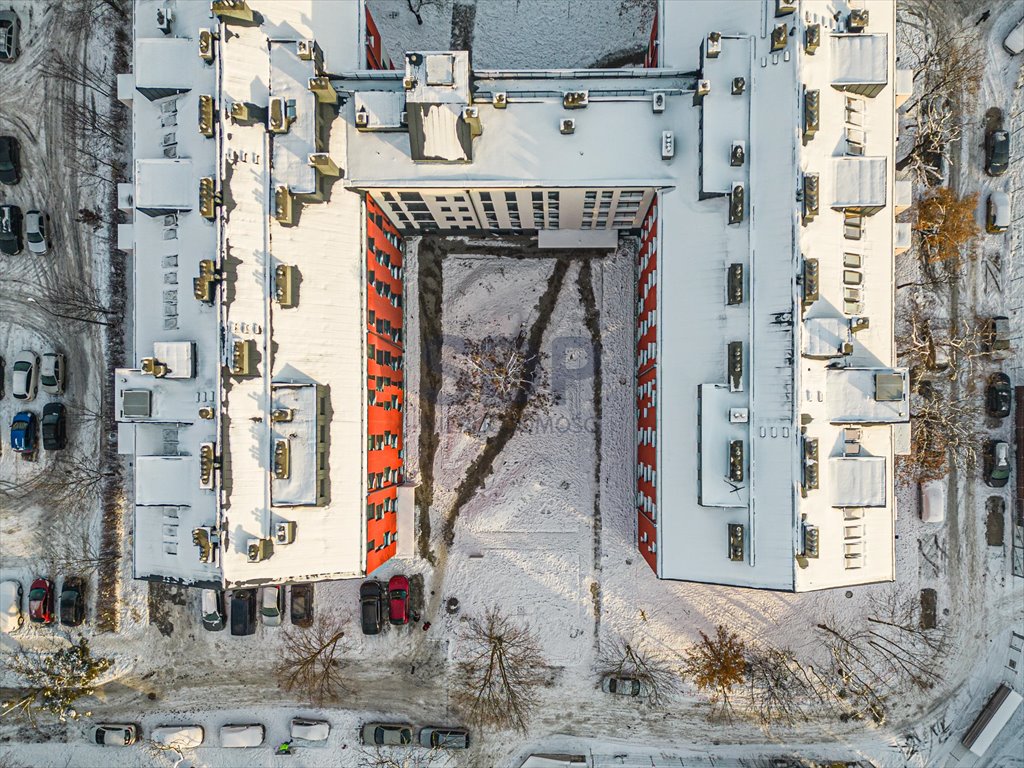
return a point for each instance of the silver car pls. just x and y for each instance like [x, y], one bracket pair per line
[271, 606]
[114, 734]
[51, 373]
[623, 686]
[37, 231]
[25, 376]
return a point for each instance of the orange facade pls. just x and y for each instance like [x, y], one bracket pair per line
[647, 387]
[376, 56]
[384, 385]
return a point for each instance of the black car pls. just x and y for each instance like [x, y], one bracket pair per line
[212, 609]
[243, 612]
[10, 230]
[998, 396]
[371, 601]
[997, 153]
[10, 161]
[72, 602]
[302, 605]
[54, 427]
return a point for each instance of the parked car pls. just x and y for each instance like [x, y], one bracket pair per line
[212, 609]
[51, 373]
[40, 601]
[10, 160]
[37, 232]
[243, 612]
[10, 36]
[114, 734]
[1014, 42]
[302, 605]
[272, 606]
[25, 376]
[444, 738]
[997, 463]
[621, 685]
[933, 501]
[371, 600]
[398, 600]
[997, 152]
[23, 433]
[241, 735]
[303, 729]
[997, 213]
[179, 736]
[11, 617]
[10, 230]
[386, 734]
[998, 396]
[72, 602]
[54, 427]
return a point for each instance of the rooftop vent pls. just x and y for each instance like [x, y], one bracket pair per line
[257, 550]
[668, 145]
[735, 542]
[206, 39]
[575, 99]
[714, 45]
[739, 85]
[736, 203]
[780, 35]
[812, 38]
[736, 461]
[738, 154]
[810, 463]
[735, 366]
[567, 126]
[857, 21]
[206, 109]
[658, 102]
[735, 283]
[136, 403]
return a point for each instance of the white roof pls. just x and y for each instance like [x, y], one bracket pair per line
[726, 116]
[300, 433]
[165, 185]
[165, 62]
[383, 109]
[857, 481]
[288, 79]
[860, 59]
[165, 480]
[178, 356]
[868, 395]
[824, 336]
[859, 181]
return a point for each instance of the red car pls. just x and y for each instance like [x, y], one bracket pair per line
[40, 602]
[398, 600]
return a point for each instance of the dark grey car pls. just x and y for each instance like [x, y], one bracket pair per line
[10, 36]
[433, 737]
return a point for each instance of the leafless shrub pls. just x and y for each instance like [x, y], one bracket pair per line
[635, 660]
[777, 686]
[502, 669]
[310, 663]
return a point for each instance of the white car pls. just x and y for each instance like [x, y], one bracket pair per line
[37, 229]
[238, 736]
[180, 736]
[271, 606]
[114, 734]
[310, 730]
[11, 617]
[25, 376]
[51, 373]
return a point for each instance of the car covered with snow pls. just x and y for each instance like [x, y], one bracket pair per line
[241, 735]
[25, 376]
[51, 373]
[997, 463]
[433, 737]
[933, 501]
[211, 606]
[272, 606]
[1014, 42]
[23, 433]
[386, 734]
[621, 685]
[37, 232]
[179, 736]
[114, 734]
[11, 617]
[303, 729]
[997, 213]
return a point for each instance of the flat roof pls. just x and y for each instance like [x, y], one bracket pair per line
[166, 62]
[162, 184]
[288, 79]
[860, 59]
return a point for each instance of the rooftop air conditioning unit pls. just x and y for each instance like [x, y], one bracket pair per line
[735, 284]
[241, 112]
[285, 285]
[739, 416]
[812, 112]
[285, 532]
[471, 116]
[668, 145]
[306, 49]
[362, 120]
[206, 110]
[257, 550]
[810, 281]
[736, 542]
[810, 540]
[658, 102]
[207, 412]
[736, 203]
[206, 45]
[810, 463]
[409, 82]
[575, 99]
[812, 38]
[207, 464]
[499, 100]
[784, 7]
[857, 21]
[282, 459]
[280, 415]
[164, 17]
[206, 538]
[703, 87]
[780, 35]
[567, 126]
[714, 45]
[735, 366]
[736, 461]
[284, 208]
[278, 118]
[810, 196]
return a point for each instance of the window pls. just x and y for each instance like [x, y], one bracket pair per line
[370, 545]
[410, 197]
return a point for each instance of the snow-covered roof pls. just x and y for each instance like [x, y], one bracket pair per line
[869, 395]
[298, 431]
[165, 63]
[860, 59]
[857, 481]
[288, 80]
[726, 116]
[165, 185]
[824, 337]
[859, 182]
[165, 480]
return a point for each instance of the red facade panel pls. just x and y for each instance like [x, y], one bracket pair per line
[647, 387]
[376, 56]
[384, 384]
[651, 58]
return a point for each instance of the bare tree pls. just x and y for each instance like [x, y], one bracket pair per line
[415, 6]
[66, 545]
[503, 666]
[921, 344]
[495, 372]
[69, 478]
[777, 686]
[945, 64]
[310, 663]
[635, 660]
[53, 680]
[76, 301]
[943, 428]
[411, 756]
[936, 127]
[60, 67]
[716, 664]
